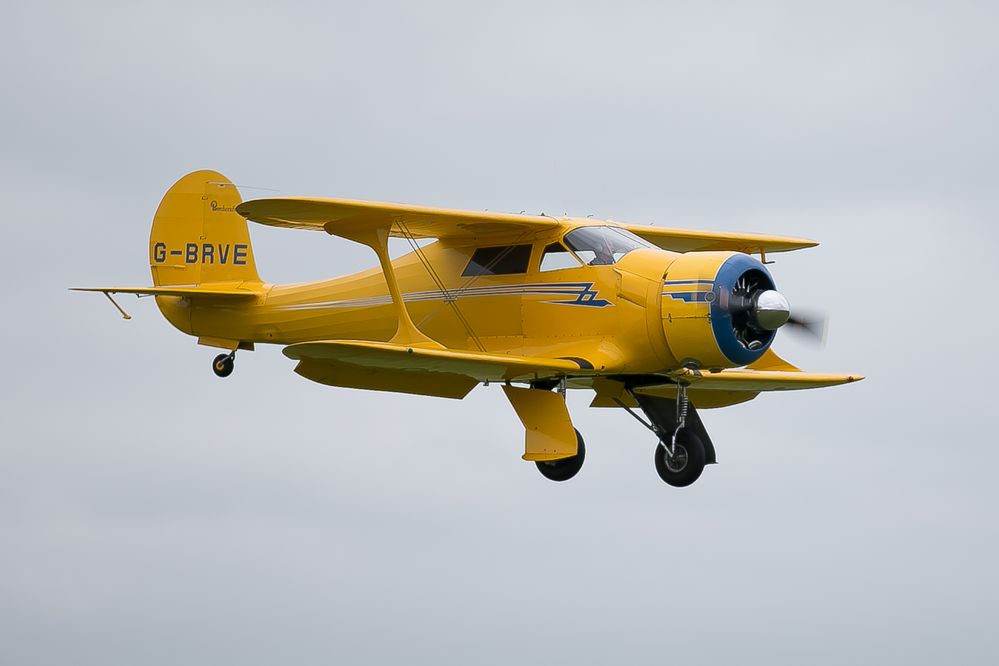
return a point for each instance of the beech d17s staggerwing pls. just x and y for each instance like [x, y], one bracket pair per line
[653, 320]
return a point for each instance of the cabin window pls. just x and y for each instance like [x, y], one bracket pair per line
[601, 246]
[505, 260]
[556, 257]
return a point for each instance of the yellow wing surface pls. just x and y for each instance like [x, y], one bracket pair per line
[345, 217]
[694, 240]
[745, 379]
[384, 366]
[769, 373]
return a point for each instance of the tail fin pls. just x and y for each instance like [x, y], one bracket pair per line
[197, 235]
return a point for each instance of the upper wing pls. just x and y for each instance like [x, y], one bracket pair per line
[344, 217]
[200, 292]
[390, 367]
[693, 240]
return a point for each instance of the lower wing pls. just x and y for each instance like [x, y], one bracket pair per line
[445, 373]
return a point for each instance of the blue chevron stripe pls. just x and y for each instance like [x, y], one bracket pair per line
[583, 294]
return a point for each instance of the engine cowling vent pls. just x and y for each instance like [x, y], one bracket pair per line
[740, 305]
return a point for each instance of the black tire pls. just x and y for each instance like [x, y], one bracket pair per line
[686, 465]
[566, 468]
[223, 365]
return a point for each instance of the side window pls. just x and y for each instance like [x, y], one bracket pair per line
[505, 260]
[556, 257]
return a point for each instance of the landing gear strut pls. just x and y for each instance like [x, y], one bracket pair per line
[680, 461]
[680, 454]
[224, 364]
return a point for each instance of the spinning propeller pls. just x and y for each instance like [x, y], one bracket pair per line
[757, 310]
[811, 325]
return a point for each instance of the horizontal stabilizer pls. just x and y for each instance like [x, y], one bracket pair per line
[191, 292]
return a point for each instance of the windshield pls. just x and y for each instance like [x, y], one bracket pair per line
[600, 246]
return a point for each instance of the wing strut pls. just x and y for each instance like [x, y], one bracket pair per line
[449, 298]
[407, 333]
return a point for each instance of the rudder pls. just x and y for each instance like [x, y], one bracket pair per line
[197, 235]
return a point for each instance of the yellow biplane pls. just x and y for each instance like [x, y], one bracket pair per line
[653, 320]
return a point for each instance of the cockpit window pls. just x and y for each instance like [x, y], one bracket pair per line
[601, 246]
[499, 260]
[556, 257]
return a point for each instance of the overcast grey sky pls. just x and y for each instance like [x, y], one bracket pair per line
[151, 513]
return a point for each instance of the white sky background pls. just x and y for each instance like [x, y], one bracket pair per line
[152, 513]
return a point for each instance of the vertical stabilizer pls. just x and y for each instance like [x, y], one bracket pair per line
[197, 235]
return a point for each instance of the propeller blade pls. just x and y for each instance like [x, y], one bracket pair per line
[811, 325]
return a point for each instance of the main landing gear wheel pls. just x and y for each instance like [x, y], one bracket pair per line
[224, 364]
[566, 468]
[684, 465]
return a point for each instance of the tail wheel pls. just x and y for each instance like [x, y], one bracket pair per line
[224, 364]
[566, 468]
[684, 465]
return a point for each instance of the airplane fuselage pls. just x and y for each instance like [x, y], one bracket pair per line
[566, 312]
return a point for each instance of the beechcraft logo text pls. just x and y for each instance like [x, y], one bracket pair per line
[219, 208]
